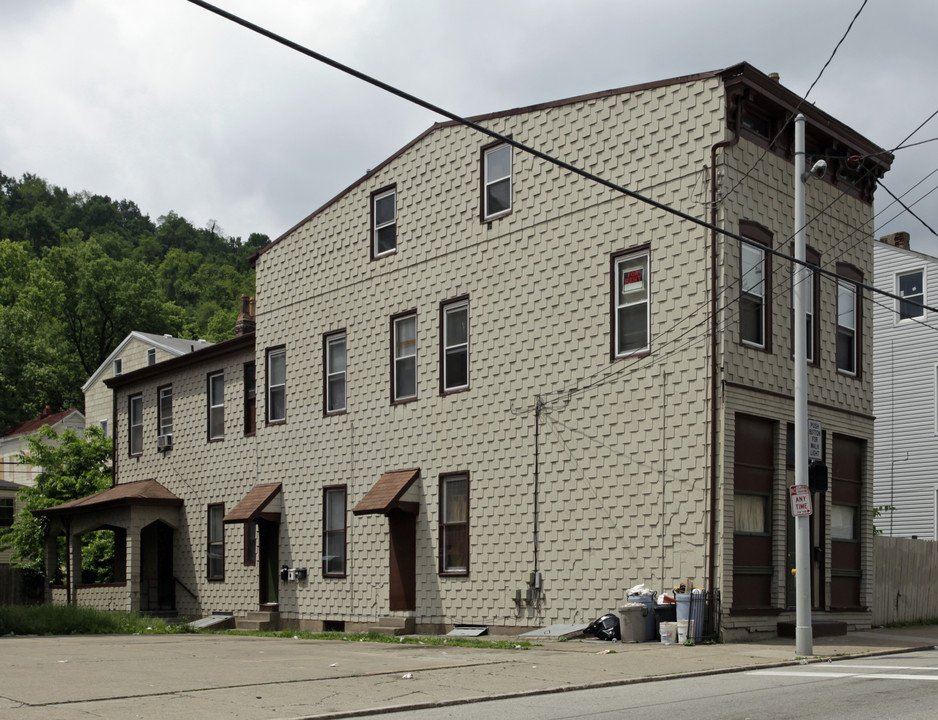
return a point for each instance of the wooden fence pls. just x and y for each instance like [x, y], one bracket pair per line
[905, 580]
[12, 591]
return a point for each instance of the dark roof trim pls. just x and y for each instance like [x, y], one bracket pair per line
[211, 352]
[386, 494]
[252, 505]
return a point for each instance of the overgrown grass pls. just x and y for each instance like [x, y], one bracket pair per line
[473, 642]
[75, 620]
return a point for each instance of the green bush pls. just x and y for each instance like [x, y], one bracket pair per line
[74, 620]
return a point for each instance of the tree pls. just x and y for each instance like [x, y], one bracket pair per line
[73, 467]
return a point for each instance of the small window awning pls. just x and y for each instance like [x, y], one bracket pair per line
[141, 492]
[263, 502]
[388, 494]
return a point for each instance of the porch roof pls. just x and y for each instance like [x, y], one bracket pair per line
[262, 501]
[386, 494]
[141, 492]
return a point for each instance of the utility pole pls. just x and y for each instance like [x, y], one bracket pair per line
[800, 276]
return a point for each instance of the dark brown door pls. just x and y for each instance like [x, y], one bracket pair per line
[402, 527]
[268, 557]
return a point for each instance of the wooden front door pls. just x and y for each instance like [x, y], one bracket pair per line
[402, 527]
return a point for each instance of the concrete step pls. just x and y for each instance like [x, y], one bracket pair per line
[394, 625]
[258, 620]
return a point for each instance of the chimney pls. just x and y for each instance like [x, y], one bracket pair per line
[897, 239]
[774, 76]
[46, 412]
[245, 323]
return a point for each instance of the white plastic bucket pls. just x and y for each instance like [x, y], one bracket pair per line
[681, 630]
[668, 631]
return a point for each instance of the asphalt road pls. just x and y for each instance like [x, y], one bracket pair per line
[902, 686]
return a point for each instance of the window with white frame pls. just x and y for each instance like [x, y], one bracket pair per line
[384, 222]
[333, 536]
[165, 410]
[846, 327]
[752, 296]
[135, 416]
[335, 372]
[118, 366]
[910, 287]
[844, 522]
[496, 193]
[454, 523]
[404, 341]
[455, 350]
[276, 385]
[631, 320]
[216, 406]
[151, 356]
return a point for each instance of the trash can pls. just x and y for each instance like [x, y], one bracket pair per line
[692, 607]
[632, 623]
[651, 626]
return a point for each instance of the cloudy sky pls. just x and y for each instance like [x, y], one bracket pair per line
[166, 104]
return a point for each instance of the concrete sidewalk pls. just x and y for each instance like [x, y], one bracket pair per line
[217, 676]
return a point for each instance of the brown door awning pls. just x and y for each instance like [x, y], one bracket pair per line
[387, 494]
[262, 502]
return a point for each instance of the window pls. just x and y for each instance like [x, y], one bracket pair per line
[911, 287]
[118, 366]
[454, 523]
[135, 416]
[496, 173]
[335, 372]
[751, 513]
[250, 399]
[216, 542]
[250, 543]
[404, 370]
[848, 316]
[151, 356]
[383, 222]
[216, 406]
[6, 512]
[276, 385]
[103, 425]
[164, 420]
[752, 296]
[333, 535]
[631, 318]
[843, 522]
[455, 349]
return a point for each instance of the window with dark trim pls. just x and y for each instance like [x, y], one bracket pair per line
[631, 310]
[250, 398]
[135, 423]
[6, 512]
[755, 297]
[848, 320]
[151, 356]
[277, 385]
[334, 359]
[383, 222]
[216, 406]
[164, 410]
[454, 523]
[333, 534]
[496, 181]
[215, 568]
[118, 366]
[454, 345]
[404, 357]
[250, 543]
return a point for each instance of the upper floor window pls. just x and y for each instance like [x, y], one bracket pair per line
[118, 366]
[103, 424]
[216, 543]
[164, 420]
[276, 385]
[404, 367]
[455, 350]
[6, 512]
[333, 535]
[910, 286]
[135, 417]
[813, 259]
[216, 406]
[631, 317]
[496, 173]
[335, 372]
[754, 296]
[848, 317]
[250, 399]
[454, 523]
[384, 222]
[151, 356]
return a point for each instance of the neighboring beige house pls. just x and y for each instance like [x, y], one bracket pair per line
[492, 392]
[8, 509]
[14, 441]
[137, 350]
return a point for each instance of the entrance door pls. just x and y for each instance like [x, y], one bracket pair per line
[402, 527]
[268, 555]
[157, 585]
[817, 524]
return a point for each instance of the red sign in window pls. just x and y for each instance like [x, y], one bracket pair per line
[633, 279]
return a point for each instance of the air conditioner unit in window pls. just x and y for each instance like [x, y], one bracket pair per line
[164, 442]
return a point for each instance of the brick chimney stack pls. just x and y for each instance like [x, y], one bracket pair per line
[245, 323]
[898, 239]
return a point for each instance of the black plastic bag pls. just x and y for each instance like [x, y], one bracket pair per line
[605, 628]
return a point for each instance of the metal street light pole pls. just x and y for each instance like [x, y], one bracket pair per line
[800, 276]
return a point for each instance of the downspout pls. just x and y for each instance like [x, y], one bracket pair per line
[714, 375]
[68, 561]
[537, 436]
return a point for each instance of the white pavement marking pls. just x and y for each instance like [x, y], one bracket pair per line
[864, 676]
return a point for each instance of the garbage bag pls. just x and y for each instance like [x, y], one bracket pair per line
[605, 628]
